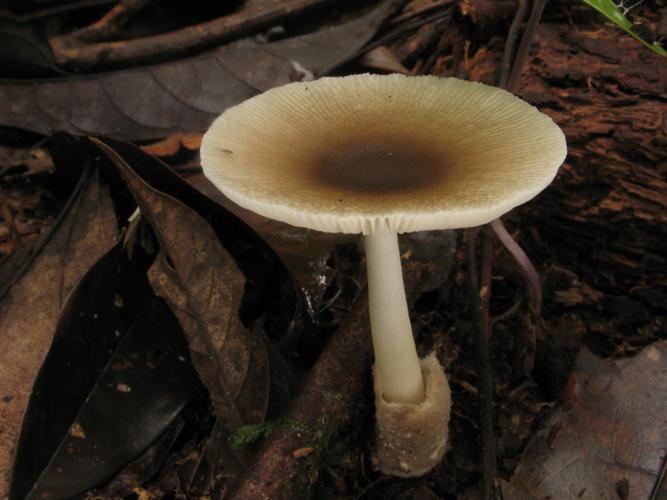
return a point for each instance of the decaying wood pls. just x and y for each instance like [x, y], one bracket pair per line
[71, 53]
[607, 208]
[333, 398]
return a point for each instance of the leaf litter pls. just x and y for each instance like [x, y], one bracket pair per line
[204, 288]
[185, 96]
[47, 462]
[607, 439]
[115, 377]
[29, 311]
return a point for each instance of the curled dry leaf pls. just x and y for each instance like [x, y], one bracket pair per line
[204, 287]
[610, 432]
[268, 283]
[184, 96]
[304, 251]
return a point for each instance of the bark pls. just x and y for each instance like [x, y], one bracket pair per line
[607, 209]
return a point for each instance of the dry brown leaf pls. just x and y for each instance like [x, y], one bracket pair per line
[384, 59]
[204, 287]
[610, 432]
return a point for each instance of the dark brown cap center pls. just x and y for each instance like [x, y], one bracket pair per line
[376, 165]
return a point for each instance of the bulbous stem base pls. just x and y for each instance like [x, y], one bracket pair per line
[412, 438]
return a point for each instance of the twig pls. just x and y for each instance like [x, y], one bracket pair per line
[509, 313]
[333, 398]
[657, 487]
[480, 294]
[418, 23]
[109, 25]
[524, 46]
[480, 299]
[165, 46]
[510, 43]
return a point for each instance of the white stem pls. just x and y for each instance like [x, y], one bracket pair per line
[396, 360]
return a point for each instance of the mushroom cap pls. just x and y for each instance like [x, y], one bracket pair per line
[370, 153]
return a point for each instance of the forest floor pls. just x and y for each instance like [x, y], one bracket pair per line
[107, 389]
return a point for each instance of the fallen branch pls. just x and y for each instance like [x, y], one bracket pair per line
[72, 53]
[109, 25]
[334, 397]
[510, 43]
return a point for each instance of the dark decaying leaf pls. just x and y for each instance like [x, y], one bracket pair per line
[114, 379]
[204, 286]
[23, 54]
[305, 252]
[139, 471]
[607, 440]
[30, 309]
[268, 284]
[157, 101]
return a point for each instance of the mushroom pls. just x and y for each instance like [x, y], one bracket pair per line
[381, 155]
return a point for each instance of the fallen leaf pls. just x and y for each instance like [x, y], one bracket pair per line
[384, 59]
[268, 283]
[204, 287]
[173, 144]
[30, 309]
[23, 54]
[112, 383]
[610, 430]
[134, 475]
[185, 96]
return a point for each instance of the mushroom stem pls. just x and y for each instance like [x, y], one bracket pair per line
[396, 361]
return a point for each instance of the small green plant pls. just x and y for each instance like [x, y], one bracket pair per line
[248, 434]
[616, 14]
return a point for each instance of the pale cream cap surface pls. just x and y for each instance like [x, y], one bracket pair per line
[370, 153]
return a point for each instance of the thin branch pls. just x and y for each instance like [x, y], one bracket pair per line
[657, 487]
[161, 47]
[109, 25]
[526, 42]
[480, 295]
[510, 43]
